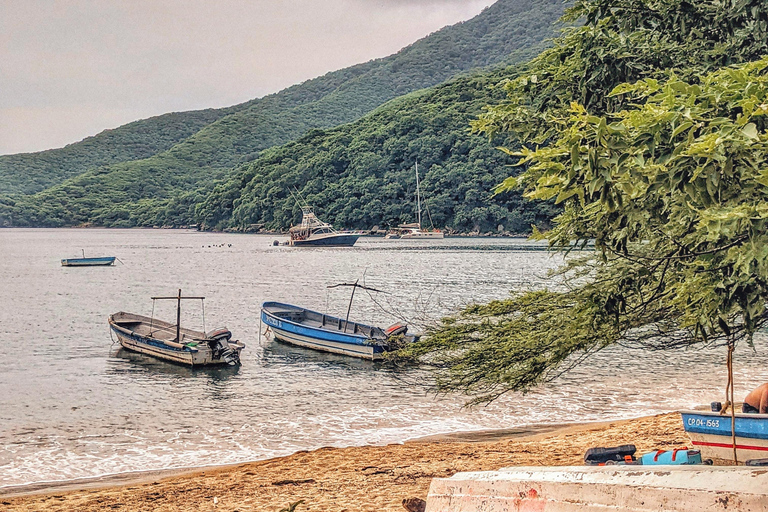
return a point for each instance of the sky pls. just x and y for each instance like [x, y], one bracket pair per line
[70, 69]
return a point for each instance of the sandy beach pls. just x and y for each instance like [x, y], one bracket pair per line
[368, 478]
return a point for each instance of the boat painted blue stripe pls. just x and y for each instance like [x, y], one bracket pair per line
[152, 342]
[748, 426]
[351, 349]
[312, 332]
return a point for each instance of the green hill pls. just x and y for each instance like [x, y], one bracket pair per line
[362, 174]
[135, 192]
[27, 173]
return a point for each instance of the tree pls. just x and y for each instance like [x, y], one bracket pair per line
[667, 177]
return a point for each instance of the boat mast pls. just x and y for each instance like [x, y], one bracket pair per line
[354, 286]
[178, 298]
[178, 318]
[418, 196]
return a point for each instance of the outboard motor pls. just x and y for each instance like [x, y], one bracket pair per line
[218, 340]
[396, 329]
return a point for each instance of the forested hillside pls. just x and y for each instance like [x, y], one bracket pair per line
[27, 173]
[136, 192]
[362, 174]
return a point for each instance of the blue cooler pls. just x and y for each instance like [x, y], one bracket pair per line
[668, 457]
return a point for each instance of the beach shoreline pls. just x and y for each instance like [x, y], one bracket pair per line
[141, 476]
[355, 478]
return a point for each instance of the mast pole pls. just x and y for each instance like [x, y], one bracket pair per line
[418, 196]
[349, 308]
[178, 318]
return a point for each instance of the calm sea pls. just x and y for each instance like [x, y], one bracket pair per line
[74, 406]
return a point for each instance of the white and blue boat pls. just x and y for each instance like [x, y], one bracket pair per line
[710, 432]
[306, 328]
[88, 262]
[312, 232]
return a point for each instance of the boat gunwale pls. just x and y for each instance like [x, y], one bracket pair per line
[366, 340]
[744, 428]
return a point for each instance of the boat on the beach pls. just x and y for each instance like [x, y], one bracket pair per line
[312, 329]
[312, 232]
[174, 343]
[88, 262]
[710, 432]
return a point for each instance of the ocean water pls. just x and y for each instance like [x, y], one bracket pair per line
[73, 405]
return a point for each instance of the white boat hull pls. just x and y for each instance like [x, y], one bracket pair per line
[423, 235]
[719, 447]
[347, 349]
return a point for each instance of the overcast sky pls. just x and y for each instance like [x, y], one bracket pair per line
[72, 68]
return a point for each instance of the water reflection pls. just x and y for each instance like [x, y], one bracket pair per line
[277, 353]
[124, 362]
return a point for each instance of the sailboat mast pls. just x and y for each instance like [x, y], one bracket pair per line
[418, 195]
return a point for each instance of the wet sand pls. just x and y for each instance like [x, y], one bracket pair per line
[368, 478]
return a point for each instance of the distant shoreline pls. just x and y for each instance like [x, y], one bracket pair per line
[367, 232]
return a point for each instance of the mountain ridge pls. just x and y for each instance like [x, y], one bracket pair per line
[120, 193]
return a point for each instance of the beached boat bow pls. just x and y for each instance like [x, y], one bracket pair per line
[710, 432]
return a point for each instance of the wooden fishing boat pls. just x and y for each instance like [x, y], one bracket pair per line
[710, 432]
[311, 329]
[88, 262]
[174, 343]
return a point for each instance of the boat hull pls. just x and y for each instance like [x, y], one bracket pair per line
[88, 262]
[423, 235]
[710, 432]
[185, 354]
[329, 240]
[326, 340]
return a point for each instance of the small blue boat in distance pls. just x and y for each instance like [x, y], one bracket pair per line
[311, 329]
[88, 262]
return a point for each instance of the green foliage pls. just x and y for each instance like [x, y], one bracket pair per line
[123, 190]
[28, 173]
[666, 175]
[625, 41]
[362, 174]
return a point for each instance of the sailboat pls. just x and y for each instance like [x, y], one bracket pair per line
[414, 231]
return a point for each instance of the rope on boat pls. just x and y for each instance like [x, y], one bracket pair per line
[733, 410]
[729, 400]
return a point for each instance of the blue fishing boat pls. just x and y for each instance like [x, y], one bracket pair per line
[710, 432]
[88, 262]
[311, 329]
